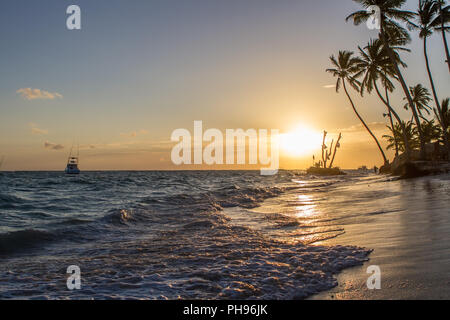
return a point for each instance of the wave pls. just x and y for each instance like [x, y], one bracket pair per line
[10, 201]
[167, 234]
[120, 217]
[18, 240]
[191, 209]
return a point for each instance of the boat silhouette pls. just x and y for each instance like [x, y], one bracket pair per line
[72, 163]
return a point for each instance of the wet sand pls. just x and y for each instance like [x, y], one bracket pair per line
[411, 246]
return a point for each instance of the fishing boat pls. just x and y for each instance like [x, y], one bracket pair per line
[72, 164]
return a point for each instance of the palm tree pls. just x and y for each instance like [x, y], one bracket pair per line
[421, 98]
[374, 64]
[439, 25]
[427, 22]
[445, 115]
[391, 121]
[390, 30]
[426, 15]
[431, 131]
[397, 132]
[396, 47]
[390, 115]
[345, 68]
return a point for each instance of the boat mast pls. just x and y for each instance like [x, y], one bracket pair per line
[70, 154]
[78, 153]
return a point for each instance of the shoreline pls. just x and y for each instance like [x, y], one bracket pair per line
[411, 248]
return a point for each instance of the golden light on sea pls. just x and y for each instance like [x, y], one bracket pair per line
[306, 207]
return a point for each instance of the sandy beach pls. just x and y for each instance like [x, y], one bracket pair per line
[410, 246]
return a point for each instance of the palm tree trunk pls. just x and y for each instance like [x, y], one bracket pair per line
[364, 124]
[392, 126]
[399, 120]
[427, 62]
[390, 118]
[406, 91]
[436, 99]
[444, 38]
[447, 53]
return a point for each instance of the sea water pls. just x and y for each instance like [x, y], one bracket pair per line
[179, 235]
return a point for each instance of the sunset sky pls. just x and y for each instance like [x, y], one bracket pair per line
[140, 69]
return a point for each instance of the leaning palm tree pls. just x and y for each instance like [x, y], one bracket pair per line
[396, 47]
[346, 69]
[374, 65]
[439, 24]
[390, 30]
[421, 98]
[390, 116]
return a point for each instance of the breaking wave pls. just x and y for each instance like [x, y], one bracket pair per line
[161, 235]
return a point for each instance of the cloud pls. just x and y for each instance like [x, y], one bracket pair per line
[329, 86]
[53, 146]
[360, 127]
[134, 134]
[134, 147]
[35, 130]
[87, 146]
[35, 94]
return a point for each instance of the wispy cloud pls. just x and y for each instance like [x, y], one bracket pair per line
[53, 146]
[329, 86]
[38, 94]
[134, 134]
[360, 127]
[87, 146]
[131, 147]
[37, 131]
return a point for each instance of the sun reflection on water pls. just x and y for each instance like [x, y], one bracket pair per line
[305, 207]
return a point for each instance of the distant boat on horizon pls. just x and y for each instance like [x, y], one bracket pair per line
[72, 164]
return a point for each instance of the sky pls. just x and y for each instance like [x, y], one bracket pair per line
[138, 70]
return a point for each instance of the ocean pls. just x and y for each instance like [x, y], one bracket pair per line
[188, 235]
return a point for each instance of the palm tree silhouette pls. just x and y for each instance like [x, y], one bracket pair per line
[426, 16]
[439, 25]
[431, 130]
[346, 70]
[427, 22]
[397, 131]
[421, 98]
[374, 65]
[391, 31]
[445, 116]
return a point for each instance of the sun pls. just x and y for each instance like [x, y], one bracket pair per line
[301, 141]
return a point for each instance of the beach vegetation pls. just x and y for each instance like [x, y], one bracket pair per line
[378, 68]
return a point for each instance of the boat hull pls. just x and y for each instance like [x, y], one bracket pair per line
[72, 171]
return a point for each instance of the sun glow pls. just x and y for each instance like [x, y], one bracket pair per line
[301, 141]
